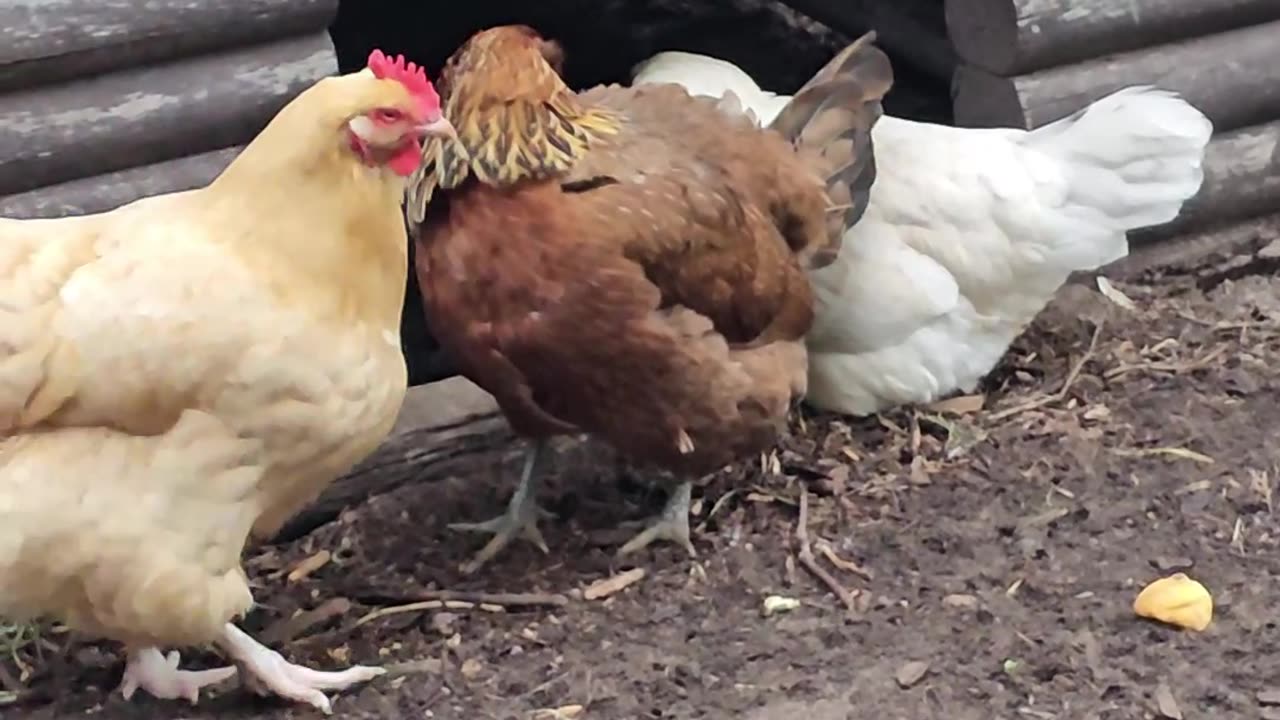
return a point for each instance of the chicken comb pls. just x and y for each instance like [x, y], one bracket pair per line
[411, 76]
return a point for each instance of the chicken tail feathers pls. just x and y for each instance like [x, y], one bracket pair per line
[830, 120]
[1132, 159]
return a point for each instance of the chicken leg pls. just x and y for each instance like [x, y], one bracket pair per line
[521, 517]
[158, 674]
[267, 672]
[672, 524]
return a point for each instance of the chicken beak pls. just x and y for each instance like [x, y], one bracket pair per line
[440, 127]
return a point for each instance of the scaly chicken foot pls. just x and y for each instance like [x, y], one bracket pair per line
[158, 674]
[267, 672]
[520, 519]
[671, 525]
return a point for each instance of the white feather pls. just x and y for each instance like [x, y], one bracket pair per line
[970, 232]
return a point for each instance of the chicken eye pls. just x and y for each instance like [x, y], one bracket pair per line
[387, 115]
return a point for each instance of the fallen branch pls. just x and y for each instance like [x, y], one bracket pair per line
[804, 554]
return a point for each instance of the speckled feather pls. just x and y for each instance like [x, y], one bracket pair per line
[636, 272]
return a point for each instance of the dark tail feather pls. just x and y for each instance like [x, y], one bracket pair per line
[830, 121]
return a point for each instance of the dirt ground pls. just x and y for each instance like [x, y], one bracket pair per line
[991, 557]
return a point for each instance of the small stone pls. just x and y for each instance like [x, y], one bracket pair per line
[443, 622]
[1165, 703]
[1269, 697]
[958, 600]
[471, 667]
[911, 673]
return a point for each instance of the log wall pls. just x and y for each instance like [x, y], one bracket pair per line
[105, 102]
[1026, 63]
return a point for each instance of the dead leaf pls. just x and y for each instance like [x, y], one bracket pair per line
[1112, 293]
[1165, 703]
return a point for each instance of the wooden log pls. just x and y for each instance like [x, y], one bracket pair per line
[911, 31]
[46, 41]
[136, 117]
[109, 191]
[1227, 76]
[1015, 37]
[1241, 180]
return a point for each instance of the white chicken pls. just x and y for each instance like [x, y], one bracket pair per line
[970, 232]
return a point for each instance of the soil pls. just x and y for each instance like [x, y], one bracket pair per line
[991, 556]
[988, 558]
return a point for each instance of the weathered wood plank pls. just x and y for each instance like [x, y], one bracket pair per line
[46, 41]
[1241, 180]
[1227, 76]
[912, 31]
[109, 191]
[136, 117]
[1015, 37]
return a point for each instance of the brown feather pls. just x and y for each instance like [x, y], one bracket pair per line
[629, 262]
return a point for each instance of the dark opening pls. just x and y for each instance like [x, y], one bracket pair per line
[603, 39]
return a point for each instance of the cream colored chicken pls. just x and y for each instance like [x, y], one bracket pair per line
[190, 368]
[969, 233]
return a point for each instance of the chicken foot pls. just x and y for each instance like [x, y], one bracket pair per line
[521, 517]
[158, 674]
[267, 672]
[672, 524]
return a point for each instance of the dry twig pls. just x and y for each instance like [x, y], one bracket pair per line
[1168, 367]
[804, 554]
[503, 599]
[1062, 393]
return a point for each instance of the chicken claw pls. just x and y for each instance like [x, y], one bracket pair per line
[672, 524]
[158, 674]
[267, 672]
[520, 519]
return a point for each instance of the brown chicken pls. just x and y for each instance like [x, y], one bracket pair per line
[190, 368]
[630, 262]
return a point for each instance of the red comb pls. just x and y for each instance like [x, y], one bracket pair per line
[413, 78]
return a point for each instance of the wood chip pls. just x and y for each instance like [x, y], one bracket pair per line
[911, 673]
[1269, 697]
[965, 602]
[611, 585]
[1165, 703]
[309, 565]
[962, 405]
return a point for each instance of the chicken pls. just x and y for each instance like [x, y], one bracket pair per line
[630, 263]
[190, 368]
[970, 232]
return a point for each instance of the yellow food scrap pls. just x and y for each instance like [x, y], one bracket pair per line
[1177, 600]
